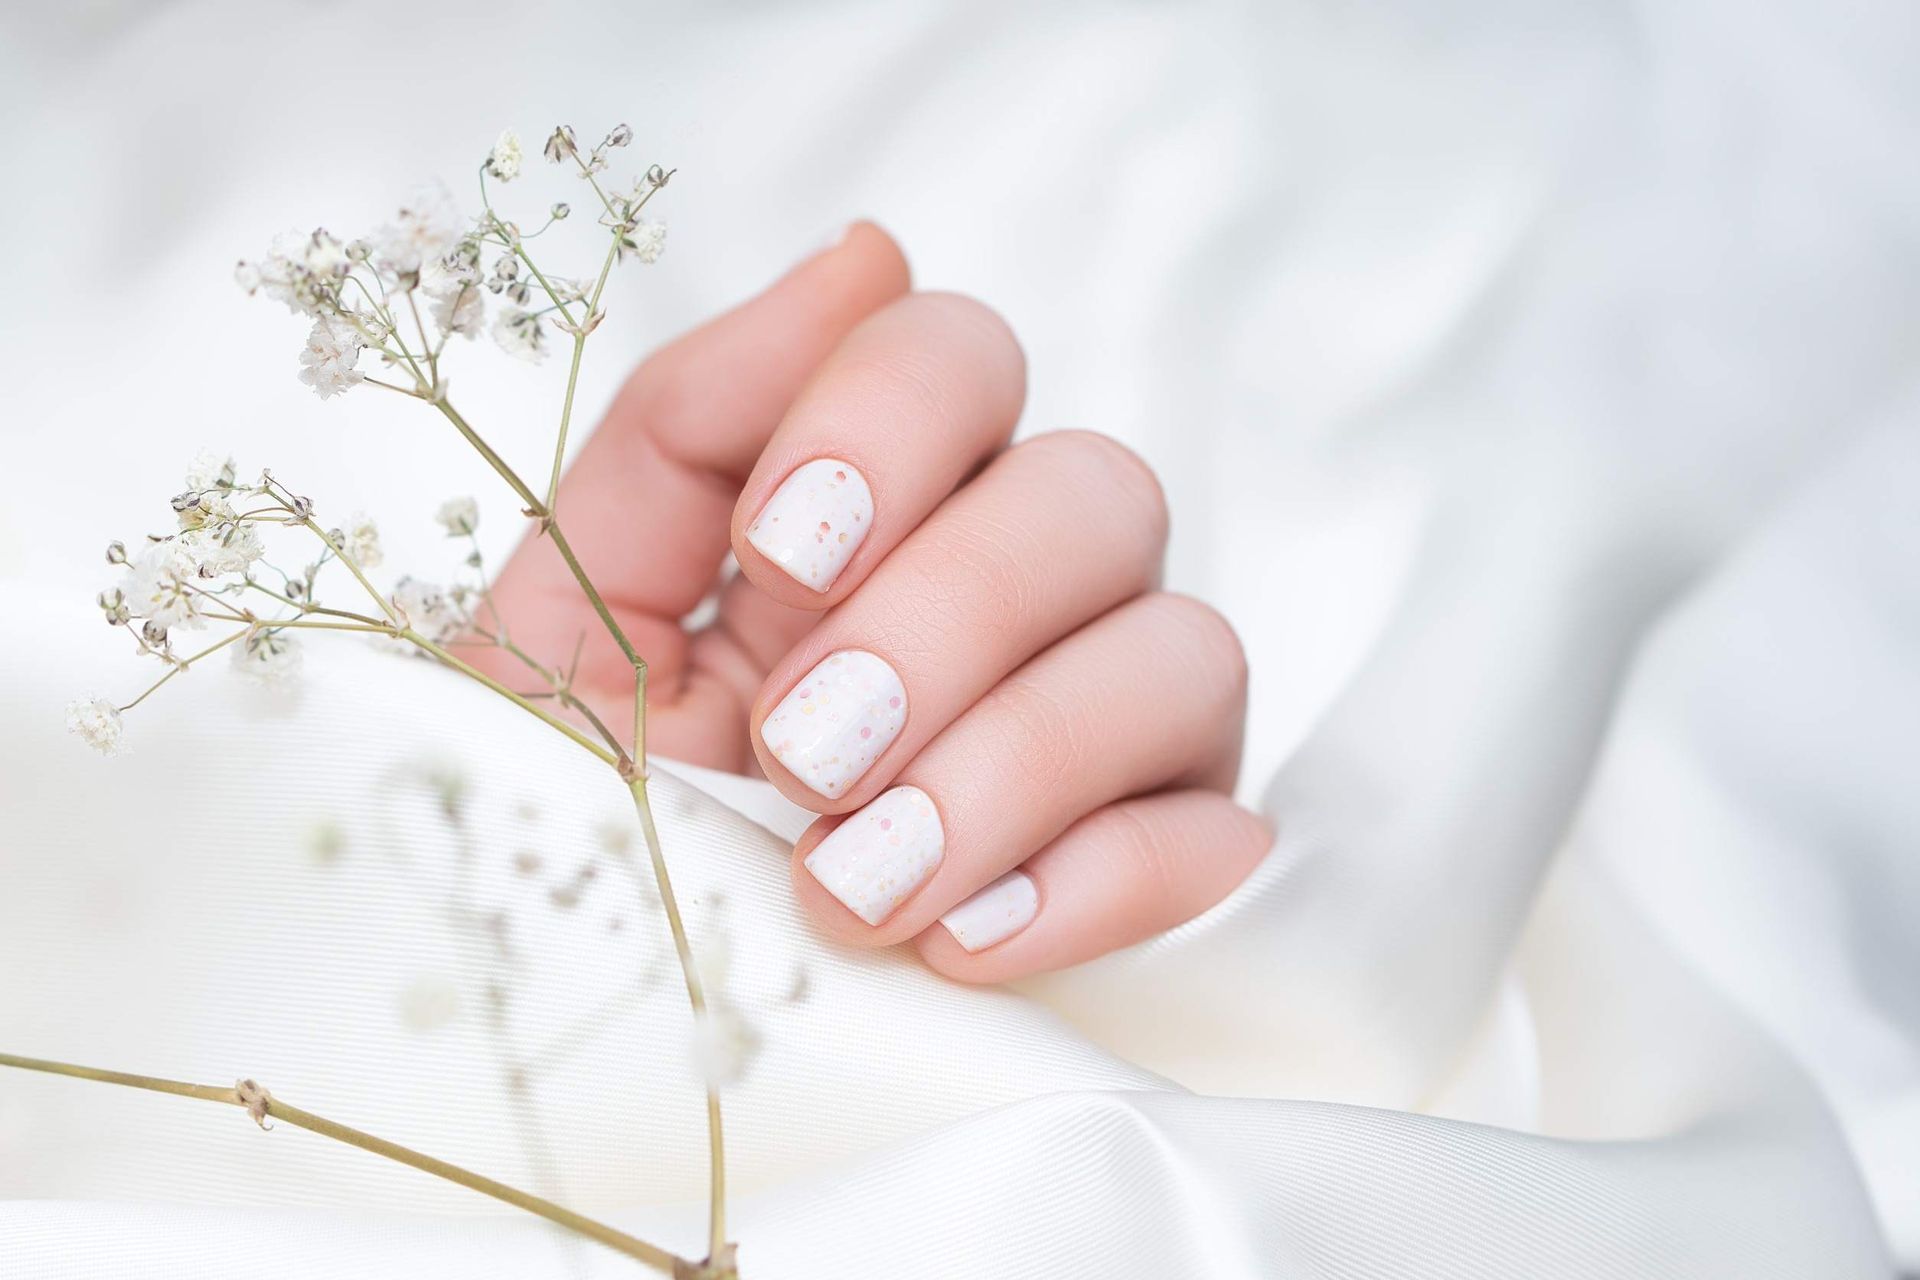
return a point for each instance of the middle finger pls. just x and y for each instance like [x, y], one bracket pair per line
[1052, 534]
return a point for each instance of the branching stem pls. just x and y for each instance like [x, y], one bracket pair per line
[262, 1104]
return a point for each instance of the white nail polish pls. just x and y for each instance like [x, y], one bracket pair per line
[874, 859]
[994, 914]
[837, 721]
[814, 522]
[832, 240]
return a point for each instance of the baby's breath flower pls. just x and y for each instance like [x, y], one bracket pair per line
[428, 609]
[620, 136]
[197, 510]
[422, 231]
[161, 584]
[520, 333]
[360, 541]
[560, 211]
[210, 470]
[116, 552]
[325, 256]
[646, 241]
[458, 516]
[724, 1043]
[452, 271]
[463, 311]
[98, 723]
[227, 550]
[504, 161]
[271, 657]
[561, 144]
[327, 361]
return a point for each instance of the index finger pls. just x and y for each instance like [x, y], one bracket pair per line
[647, 502]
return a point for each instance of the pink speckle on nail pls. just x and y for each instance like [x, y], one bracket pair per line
[886, 824]
[866, 731]
[893, 702]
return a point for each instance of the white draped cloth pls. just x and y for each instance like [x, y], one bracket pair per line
[1534, 389]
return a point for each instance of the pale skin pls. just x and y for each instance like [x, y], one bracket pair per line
[1067, 718]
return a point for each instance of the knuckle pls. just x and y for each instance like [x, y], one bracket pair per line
[1041, 729]
[1138, 844]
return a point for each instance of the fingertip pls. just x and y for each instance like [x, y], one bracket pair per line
[879, 255]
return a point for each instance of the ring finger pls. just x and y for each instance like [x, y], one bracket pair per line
[1148, 697]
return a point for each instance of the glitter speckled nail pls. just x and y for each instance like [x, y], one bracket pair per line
[814, 522]
[837, 721]
[994, 914]
[874, 859]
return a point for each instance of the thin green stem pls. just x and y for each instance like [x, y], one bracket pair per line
[573, 374]
[612, 754]
[535, 507]
[262, 1104]
[696, 997]
[386, 605]
[181, 664]
[592, 592]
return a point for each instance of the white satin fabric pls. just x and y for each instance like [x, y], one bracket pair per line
[1533, 388]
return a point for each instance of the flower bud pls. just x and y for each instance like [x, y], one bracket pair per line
[560, 145]
[656, 176]
[154, 634]
[620, 136]
[116, 552]
[561, 210]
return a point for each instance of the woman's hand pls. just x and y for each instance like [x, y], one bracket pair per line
[954, 649]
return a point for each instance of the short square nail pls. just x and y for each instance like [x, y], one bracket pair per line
[994, 914]
[874, 859]
[814, 522]
[837, 721]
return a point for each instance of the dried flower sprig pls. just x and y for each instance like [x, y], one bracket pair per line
[401, 295]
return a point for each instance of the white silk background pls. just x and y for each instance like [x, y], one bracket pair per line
[1534, 386]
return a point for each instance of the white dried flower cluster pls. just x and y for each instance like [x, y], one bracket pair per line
[211, 568]
[458, 516]
[724, 1044]
[327, 363]
[503, 162]
[269, 656]
[436, 612]
[98, 723]
[399, 294]
[360, 542]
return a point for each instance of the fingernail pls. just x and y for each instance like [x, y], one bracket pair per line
[814, 522]
[837, 721]
[994, 914]
[874, 859]
[832, 240]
